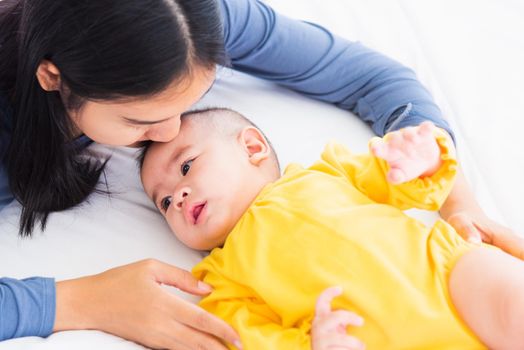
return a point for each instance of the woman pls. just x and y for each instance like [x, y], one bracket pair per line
[122, 71]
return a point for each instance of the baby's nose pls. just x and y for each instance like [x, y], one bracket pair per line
[181, 196]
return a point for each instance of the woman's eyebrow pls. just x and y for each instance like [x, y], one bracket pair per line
[145, 122]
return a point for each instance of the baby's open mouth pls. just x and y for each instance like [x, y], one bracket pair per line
[197, 210]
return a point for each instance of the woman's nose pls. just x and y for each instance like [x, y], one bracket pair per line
[180, 196]
[164, 132]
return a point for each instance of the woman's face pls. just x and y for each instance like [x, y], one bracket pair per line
[157, 118]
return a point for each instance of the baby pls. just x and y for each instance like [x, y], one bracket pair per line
[280, 242]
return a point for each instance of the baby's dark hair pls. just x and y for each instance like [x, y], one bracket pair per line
[223, 120]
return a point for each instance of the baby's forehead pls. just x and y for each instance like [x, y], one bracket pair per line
[191, 135]
[195, 128]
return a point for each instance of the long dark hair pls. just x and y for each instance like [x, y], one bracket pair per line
[105, 50]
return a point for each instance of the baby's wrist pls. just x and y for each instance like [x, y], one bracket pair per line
[445, 145]
[433, 168]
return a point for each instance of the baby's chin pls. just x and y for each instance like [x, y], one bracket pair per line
[204, 245]
[201, 240]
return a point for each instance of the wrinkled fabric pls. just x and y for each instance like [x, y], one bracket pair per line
[340, 223]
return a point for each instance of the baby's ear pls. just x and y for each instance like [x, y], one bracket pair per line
[255, 144]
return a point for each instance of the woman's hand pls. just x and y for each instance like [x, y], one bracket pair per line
[329, 327]
[467, 218]
[128, 301]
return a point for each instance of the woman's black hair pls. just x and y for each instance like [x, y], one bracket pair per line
[104, 50]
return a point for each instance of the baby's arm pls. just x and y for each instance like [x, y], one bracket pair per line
[260, 327]
[413, 167]
[329, 330]
[410, 153]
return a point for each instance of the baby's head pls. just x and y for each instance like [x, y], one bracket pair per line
[206, 178]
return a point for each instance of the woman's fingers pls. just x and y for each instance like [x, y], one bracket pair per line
[502, 237]
[198, 319]
[146, 313]
[465, 227]
[176, 277]
[184, 337]
[475, 227]
[203, 325]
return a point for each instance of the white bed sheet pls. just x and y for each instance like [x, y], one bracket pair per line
[468, 53]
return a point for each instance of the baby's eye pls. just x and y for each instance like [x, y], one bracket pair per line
[165, 203]
[184, 169]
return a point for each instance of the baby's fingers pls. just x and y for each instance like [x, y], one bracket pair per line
[379, 148]
[396, 176]
[339, 342]
[426, 129]
[340, 320]
[323, 306]
[410, 134]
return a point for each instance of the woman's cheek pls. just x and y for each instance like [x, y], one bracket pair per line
[114, 135]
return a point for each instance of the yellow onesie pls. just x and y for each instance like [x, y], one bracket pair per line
[340, 223]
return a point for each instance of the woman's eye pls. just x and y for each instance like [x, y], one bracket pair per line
[165, 203]
[184, 169]
[136, 126]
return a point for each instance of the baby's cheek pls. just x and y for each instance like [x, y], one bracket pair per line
[172, 225]
[177, 228]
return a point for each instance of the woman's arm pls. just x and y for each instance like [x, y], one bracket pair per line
[27, 307]
[127, 301]
[309, 59]
[462, 211]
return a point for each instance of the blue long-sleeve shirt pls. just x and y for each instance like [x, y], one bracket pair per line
[301, 56]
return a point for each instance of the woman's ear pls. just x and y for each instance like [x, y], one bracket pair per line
[255, 145]
[48, 76]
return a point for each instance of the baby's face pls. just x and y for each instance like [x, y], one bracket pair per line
[202, 182]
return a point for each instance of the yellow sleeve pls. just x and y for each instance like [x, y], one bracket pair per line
[258, 326]
[368, 174]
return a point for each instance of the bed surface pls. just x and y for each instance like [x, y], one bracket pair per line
[468, 53]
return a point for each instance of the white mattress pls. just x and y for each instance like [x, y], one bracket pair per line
[468, 53]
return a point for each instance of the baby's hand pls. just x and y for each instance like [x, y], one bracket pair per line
[410, 153]
[329, 327]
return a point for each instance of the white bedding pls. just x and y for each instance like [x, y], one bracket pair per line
[468, 53]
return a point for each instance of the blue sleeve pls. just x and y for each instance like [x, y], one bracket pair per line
[27, 307]
[309, 59]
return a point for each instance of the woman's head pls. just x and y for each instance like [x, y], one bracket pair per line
[126, 70]
[119, 71]
[155, 118]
